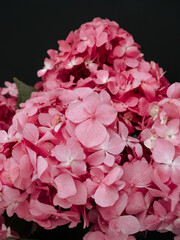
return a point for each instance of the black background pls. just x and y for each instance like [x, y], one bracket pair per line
[28, 28]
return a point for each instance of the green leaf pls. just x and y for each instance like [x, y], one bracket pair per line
[24, 91]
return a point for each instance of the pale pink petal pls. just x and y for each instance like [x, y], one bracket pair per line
[129, 224]
[131, 62]
[44, 119]
[9, 194]
[80, 198]
[25, 167]
[136, 203]
[163, 151]
[119, 51]
[106, 196]
[42, 165]
[76, 112]
[174, 90]
[164, 172]
[91, 102]
[159, 209]
[101, 39]
[126, 224]
[65, 185]
[152, 222]
[102, 77]
[3, 137]
[91, 133]
[61, 153]
[31, 133]
[114, 175]
[176, 171]
[64, 203]
[79, 167]
[116, 210]
[41, 211]
[116, 145]
[123, 130]
[96, 158]
[132, 51]
[106, 114]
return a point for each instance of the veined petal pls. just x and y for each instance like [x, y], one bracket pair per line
[91, 133]
[76, 113]
[163, 151]
[106, 114]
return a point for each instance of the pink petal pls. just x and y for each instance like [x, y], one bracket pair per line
[64, 203]
[106, 196]
[3, 136]
[9, 194]
[64, 46]
[26, 168]
[116, 210]
[78, 167]
[136, 203]
[129, 224]
[65, 185]
[91, 102]
[159, 209]
[132, 101]
[152, 222]
[114, 175]
[61, 152]
[163, 151]
[91, 133]
[119, 51]
[131, 62]
[96, 158]
[174, 90]
[132, 51]
[80, 198]
[41, 211]
[115, 145]
[101, 39]
[76, 113]
[176, 171]
[42, 165]
[106, 114]
[164, 172]
[31, 133]
[44, 119]
[102, 76]
[123, 130]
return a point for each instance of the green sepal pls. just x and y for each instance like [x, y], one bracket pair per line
[24, 91]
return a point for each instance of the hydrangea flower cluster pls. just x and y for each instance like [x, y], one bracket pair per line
[99, 142]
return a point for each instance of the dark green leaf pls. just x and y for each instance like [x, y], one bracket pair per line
[24, 91]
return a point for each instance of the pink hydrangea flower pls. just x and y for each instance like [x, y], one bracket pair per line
[99, 142]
